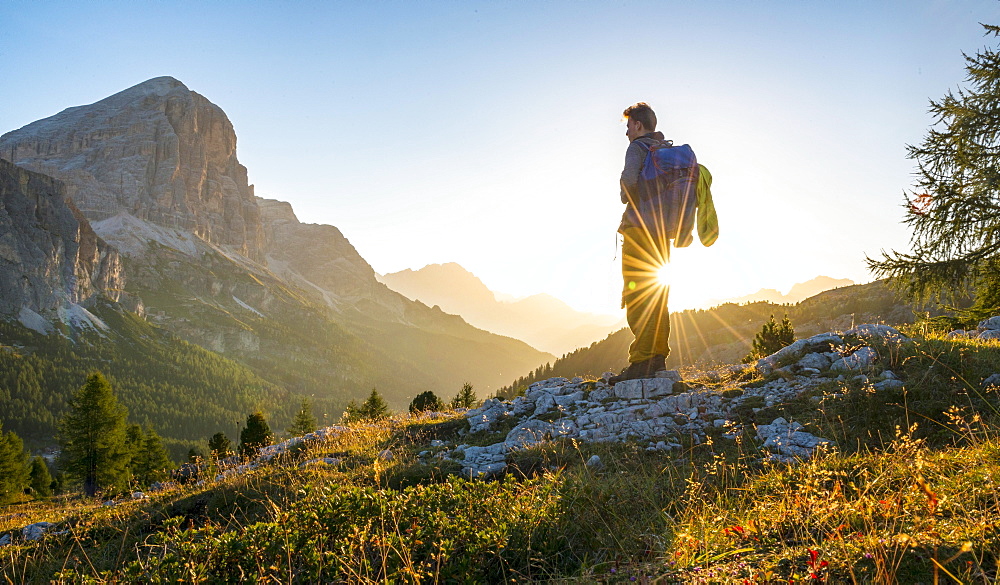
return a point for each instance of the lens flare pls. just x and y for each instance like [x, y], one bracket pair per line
[663, 275]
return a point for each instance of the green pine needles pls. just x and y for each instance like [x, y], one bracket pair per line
[93, 437]
[772, 337]
[954, 212]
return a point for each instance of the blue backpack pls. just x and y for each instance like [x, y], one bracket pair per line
[667, 196]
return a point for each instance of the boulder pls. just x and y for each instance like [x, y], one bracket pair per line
[992, 380]
[816, 361]
[787, 441]
[991, 324]
[36, 531]
[871, 331]
[529, 433]
[644, 388]
[862, 358]
[595, 463]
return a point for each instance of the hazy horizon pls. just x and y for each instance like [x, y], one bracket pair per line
[490, 134]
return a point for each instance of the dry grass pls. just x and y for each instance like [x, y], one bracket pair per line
[921, 506]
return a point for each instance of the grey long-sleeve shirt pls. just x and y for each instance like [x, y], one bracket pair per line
[634, 157]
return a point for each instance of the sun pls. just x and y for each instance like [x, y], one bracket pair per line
[663, 275]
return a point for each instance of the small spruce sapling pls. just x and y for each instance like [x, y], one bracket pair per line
[304, 421]
[771, 337]
[41, 480]
[220, 446]
[13, 466]
[466, 397]
[425, 401]
[255, 435]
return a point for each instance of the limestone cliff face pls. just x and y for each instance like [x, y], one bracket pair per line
[157, 151]
[320, 259]
[49, 255]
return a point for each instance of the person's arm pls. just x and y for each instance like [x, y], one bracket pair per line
[634, 157]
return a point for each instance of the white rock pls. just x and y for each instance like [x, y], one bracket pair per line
[816, 361]
[331, 461]
[870, 331]
[629, 389]
[385, 454]
[992, 380]
[595, 462]
[544, 403]
[890, 385]
[529, 433]
[992, 324]
[5, 540]
[644, 388]
[36, 530]
[569, 399]
[600, 394]
[862, 358]
[520, 407]
[139, 496]
[989, 334]
[669, 375]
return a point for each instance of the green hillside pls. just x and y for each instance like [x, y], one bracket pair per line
[723, 334]
[246, 313]
[181, 390]
[908, 496]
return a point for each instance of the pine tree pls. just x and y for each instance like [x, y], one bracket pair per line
[955, 220]
[352, 412]
[220, 446]
[255, 435]
[13, 466]
[375, 408]
[93, 437]
[304, 421]
[150, 461]
[40, 478]
[771, 337]
[424, 401]
[466, 397]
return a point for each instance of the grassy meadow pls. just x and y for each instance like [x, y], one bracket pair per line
[911, 495]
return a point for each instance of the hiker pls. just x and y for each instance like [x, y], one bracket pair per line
[664, 189]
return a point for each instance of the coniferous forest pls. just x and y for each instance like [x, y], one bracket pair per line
[182, 391]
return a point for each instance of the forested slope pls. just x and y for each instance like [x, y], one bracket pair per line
[181, 390]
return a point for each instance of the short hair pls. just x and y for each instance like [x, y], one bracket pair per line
[641, 112]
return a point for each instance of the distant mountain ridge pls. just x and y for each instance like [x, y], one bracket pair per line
[540, 320]
[799, 292]
[155, 171]
[703, 339]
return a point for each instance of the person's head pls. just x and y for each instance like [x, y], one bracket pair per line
[639, 120]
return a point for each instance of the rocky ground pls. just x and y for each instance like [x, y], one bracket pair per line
[659, 411]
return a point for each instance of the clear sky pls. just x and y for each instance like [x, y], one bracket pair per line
[490, 133]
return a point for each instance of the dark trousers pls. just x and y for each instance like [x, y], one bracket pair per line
[644, 296]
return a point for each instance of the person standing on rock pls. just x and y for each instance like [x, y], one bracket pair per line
[645, 251]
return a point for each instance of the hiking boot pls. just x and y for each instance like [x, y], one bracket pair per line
[635, 370]
[656, 363]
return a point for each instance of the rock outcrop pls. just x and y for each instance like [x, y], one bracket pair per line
[659, 411]
[51, 261]
[157, 151]
[315, 256]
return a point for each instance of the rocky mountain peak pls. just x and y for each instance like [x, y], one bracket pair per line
[157, 151]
